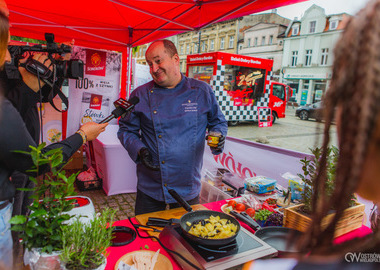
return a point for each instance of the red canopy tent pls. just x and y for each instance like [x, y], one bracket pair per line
[122, 24]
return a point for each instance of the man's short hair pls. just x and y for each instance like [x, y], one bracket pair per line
[169, 46]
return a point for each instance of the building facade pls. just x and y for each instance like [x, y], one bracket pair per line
[308, 53]
[265, 40]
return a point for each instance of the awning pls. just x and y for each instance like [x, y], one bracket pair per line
[122, 24]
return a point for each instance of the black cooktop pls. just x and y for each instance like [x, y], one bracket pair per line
[242, 243]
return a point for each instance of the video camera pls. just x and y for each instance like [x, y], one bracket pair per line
[72, 69]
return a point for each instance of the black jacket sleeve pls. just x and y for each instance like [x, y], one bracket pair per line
[14, 136]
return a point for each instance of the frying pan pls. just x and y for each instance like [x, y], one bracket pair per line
[277, 237]
[192, 216]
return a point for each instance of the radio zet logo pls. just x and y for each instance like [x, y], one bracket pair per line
[96, 102]
[96, 62]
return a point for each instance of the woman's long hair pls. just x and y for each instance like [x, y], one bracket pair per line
[4, 35]
[355, 90]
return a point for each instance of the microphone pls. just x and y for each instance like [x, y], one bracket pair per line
[122, 106]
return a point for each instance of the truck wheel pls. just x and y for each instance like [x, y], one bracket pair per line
[233, 123]
[304, 115]
[274, 117]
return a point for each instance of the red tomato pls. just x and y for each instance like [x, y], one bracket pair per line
[232, 203]
[240, 207]
[251, 212]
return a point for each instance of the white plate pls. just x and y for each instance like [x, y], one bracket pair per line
[52, 131]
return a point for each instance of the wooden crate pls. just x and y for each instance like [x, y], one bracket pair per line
[352, 219]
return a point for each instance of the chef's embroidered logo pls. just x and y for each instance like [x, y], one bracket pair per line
[96, 62]
[96, 102]
[190, 106]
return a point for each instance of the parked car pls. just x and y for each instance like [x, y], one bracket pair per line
[310, 111]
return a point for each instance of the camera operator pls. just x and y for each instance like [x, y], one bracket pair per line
[15, 137]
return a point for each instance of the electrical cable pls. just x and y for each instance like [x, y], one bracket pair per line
[40, 105]
[167, 249]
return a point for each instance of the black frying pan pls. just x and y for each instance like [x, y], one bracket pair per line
[193, 216]
[277, 237]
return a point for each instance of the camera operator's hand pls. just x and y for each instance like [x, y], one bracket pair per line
[30, 79]
[92, 130]
[146, 159]
[66, 56]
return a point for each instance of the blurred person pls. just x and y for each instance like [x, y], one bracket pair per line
[354, 99]
[165, 134]
[15, 137]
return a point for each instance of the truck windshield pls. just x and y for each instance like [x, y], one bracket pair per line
[202, 73]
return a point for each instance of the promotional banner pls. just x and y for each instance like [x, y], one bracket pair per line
[141, 74]
[248, 159]
[91, 99]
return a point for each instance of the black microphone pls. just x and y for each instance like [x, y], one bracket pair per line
[122, 106]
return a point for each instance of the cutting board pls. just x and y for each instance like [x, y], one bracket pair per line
[166, 214]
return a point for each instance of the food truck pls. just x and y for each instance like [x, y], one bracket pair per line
[241, 85]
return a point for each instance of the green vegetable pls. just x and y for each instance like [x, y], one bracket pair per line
[146, 247]
[262, 214]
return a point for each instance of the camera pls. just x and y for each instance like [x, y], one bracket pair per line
[71, 69]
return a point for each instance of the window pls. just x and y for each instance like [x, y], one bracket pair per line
[256, 41]
[196, 48]
[231, 42]
[295, 30]
[249, 43]
[270, 39]
[294, 58]
[212, 44]
[187, 49]
[203, 44]
[222, 43]
[182, 49]
[333, 24]
[308, 58]
[324, 56]
[263, 40]
[312, 27]
[279, 91]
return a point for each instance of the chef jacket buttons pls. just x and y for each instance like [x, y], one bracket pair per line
[155, 112]
[163, 162]
[159, 136]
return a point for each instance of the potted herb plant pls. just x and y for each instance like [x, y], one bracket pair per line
[85, 244]
[41, 231]
[298, 216]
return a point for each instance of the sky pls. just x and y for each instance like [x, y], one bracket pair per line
[330, 6]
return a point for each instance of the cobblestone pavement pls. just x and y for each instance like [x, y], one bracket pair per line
[290, 133]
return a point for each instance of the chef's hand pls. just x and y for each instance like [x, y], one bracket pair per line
[219, 148]
[146, 159]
